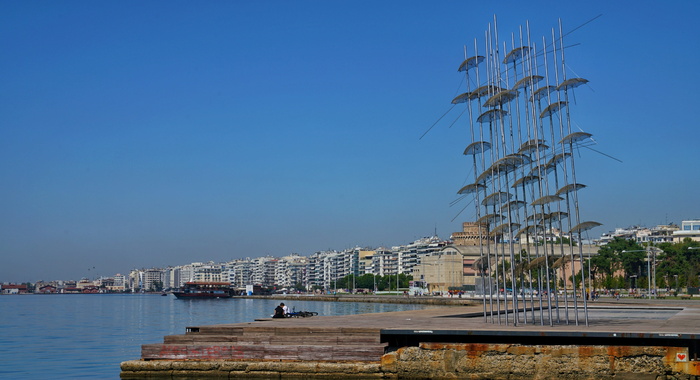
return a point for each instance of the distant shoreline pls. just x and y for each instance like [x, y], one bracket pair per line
[445, 301]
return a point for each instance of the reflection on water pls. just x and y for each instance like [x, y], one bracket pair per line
[87, 336]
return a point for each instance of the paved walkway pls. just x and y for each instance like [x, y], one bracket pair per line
[625, 316]
[365, 336]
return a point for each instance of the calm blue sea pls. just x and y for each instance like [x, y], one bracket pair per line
[87, 336]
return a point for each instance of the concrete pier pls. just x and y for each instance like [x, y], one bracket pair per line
[654, 339]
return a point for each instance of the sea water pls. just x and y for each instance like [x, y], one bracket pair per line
[72, 336]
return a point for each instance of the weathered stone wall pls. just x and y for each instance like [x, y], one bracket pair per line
[512, 361]
[167, 369]
[451, 361]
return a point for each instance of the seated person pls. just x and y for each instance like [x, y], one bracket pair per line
[279, 311]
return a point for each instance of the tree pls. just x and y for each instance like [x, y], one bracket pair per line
[298, 286]
[612, 258]
[367, 281]
[632, 262]
[157, 286]
[606, 262]
[678, 265]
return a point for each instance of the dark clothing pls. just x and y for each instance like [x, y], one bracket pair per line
[279, 312]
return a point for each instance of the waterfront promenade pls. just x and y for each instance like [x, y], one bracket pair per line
[630, 337]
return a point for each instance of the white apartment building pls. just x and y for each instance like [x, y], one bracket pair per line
[120, 281]
[385, 262]
[409, 255]
[314, 270]
[659, 234]
[321, 269]
[151, 277]
[172, 278]
[263, 271]
[324, 268]
[240, 272]
[187, 274]
[291, 270]
[209, 272]
[689, 229]
[135, 280]
[333, 269]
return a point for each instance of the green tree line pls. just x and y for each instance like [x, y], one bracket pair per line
[368, 281]
[622, 263]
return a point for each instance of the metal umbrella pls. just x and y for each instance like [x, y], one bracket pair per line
[503, 228]
[556, 216]
[575, 137]
[527, 180]
[477, 148]
[558, 159]
[529, 229]
[515, 205]
[544, 168]
[571, 83]
[532, 146]
[546, 199]
[490, 219]
[542, 92]
[569, 188]
[470, 63]
[491, 115]
[471, 188]
[501, 98]
[585, 226]
[536, 217]
[496, 198]
[482, 91]
[528, 81]
[516, 54]
[552, 109]
[461, 98]
[561, 262]
[538, 262]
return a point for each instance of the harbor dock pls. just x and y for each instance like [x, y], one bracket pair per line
[635, 339]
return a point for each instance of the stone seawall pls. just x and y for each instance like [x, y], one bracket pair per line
[423, 300]
[649, 342]
[450, 361]
[511, 361]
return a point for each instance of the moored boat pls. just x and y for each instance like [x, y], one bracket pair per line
[201, 289]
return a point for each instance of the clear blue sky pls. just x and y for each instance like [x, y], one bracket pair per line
[146, 134]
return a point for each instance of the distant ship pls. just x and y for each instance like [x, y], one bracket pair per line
[200, 289]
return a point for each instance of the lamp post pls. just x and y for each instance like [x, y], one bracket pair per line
[676, 277]
[397, 275]
[654, 251]
[649, 274]
[441, 268]
[692, 248]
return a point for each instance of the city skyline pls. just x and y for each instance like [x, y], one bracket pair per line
[635, 233]
[139, 135]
